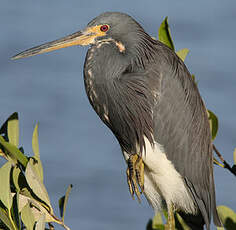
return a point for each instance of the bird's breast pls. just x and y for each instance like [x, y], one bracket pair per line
[102, 66]
[96, 96]
[121, 98]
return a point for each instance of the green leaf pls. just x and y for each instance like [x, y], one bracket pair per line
[38, 168]
[165, 213]
[35, 146]
[156, 223]
[5, 219]
[13, 129]
[227, 216]
[27, 217]
[4, 127]
[14, 152]
[150, 226]
[5, 192]
[15, 176]
[63, 202]
[159, 227]
[40, 225]
[36, 207]
[182, 53]
[35, 143]
[157, 220]
[165, 35]
[35, 183]
[15, 211]
[213, 124]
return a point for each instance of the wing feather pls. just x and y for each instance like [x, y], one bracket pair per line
[181, 126]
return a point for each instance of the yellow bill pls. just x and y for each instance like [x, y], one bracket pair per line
[82, 38]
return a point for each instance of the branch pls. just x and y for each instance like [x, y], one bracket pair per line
[226, 165]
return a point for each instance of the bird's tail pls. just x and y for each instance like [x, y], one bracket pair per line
[216, 218]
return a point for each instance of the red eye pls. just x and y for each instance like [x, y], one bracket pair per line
[104, 28]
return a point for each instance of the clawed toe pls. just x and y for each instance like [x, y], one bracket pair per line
[135, 175]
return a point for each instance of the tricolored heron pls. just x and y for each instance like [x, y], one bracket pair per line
[144, 93]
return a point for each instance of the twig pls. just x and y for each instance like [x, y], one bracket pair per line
[3, 154]
[218, 163]
[226, 165]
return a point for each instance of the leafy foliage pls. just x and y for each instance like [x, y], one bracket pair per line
[227, 216]
[213, 124]
[182, 53]
[164, 34]
[24, 200]
[63, 202]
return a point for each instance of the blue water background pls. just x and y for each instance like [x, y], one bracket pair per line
[75, 146]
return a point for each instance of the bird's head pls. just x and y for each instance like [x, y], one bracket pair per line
[114, 26]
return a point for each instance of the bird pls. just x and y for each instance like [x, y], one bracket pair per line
[145, 94]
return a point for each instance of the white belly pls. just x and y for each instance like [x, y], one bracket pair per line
[163, 185]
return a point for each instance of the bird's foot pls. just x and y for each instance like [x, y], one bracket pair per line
[135, 175]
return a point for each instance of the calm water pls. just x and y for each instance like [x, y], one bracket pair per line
[75, 146]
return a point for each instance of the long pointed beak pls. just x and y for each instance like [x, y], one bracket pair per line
[78, 38]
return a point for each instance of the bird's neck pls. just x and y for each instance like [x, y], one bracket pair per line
[141, 50]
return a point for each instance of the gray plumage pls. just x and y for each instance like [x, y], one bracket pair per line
[148, 91]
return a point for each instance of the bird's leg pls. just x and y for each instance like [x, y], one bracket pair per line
[139, 169]
[135, 175]
[170, 225]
